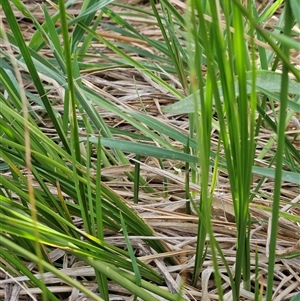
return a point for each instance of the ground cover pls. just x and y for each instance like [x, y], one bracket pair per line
[90, 213]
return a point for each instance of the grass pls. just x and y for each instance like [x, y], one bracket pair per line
[150, 151]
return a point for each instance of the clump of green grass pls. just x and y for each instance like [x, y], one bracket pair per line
[240, 58]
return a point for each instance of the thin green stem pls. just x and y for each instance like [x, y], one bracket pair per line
[289, 21]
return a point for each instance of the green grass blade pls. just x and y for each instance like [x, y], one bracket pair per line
[131, 253]
[50, 268]
[289, 21]
[144, 150]
[267, 82]
[31, 68]
[70, 94]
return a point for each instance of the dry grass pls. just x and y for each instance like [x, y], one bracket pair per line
[128, 88]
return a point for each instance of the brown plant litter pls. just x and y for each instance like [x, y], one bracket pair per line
[128, 88]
